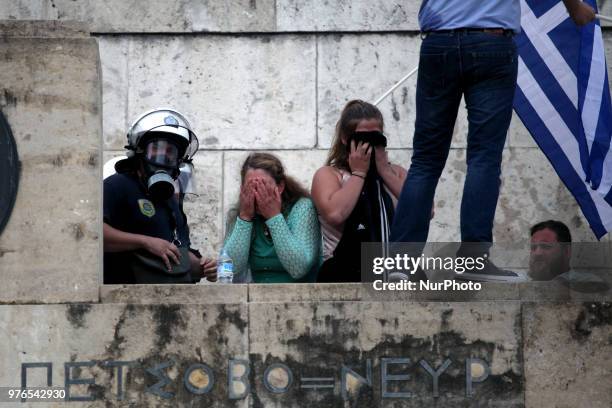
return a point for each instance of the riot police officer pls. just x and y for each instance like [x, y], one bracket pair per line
[146, 236]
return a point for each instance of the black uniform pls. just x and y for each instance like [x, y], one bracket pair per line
[128, 208]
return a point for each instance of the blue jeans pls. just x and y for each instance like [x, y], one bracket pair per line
[483, 68]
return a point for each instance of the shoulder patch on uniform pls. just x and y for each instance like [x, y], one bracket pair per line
[146, 207]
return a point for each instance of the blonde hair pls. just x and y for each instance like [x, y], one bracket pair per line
[354, 112]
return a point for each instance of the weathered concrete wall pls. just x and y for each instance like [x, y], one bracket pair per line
[283, 93]
[564, 346]
[278, 83]
[267, 89]
[318, 339]
[539, 354]
[279, 92]
[188, 16]
[273, 75]
[146, 335]
[335, 68]
[239, 92]
[51, 96]
[117, 16]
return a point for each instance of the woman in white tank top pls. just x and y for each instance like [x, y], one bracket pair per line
[336, 187]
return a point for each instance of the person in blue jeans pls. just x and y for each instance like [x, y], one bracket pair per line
[468, 51]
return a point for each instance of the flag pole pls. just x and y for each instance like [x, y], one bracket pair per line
[401, 81]
[604, 18]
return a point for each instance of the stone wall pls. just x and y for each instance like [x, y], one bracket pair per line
[50, 250]
[304, 345]
[274, 75]
[282, 345]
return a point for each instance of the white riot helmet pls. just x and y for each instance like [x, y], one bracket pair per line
[167, 121]
[163, 139]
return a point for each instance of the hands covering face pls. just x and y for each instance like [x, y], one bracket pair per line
[359, 157]
[382, 159]
[259, 194]
[247, 200]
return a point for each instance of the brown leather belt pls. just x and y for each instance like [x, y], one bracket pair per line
[494, 31]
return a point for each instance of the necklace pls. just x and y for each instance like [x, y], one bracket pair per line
[266, 231]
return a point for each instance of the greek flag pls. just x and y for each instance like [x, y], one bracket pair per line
[563, 99]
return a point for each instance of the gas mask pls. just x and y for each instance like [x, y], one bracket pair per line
[162, 140]
[161, 167]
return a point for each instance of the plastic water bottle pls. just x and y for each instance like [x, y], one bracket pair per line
[225, 268]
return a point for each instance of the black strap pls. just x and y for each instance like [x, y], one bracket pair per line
[362, 225]
[173, 220]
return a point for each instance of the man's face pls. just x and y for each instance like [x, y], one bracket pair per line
[549, 257]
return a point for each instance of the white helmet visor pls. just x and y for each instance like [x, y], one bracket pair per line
[186, 182]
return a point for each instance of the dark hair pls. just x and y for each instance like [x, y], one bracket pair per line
[272, 165]
[559, 228]
[354, 112]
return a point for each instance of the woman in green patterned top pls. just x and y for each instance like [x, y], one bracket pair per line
[276, 232]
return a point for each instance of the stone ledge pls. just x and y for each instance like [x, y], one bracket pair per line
[531, 292]
[173, 294]
[334, 292]
[43, 29]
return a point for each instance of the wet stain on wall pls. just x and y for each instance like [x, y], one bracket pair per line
[334, 343]
[591, 316]
[77, 313]
[168, 319]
